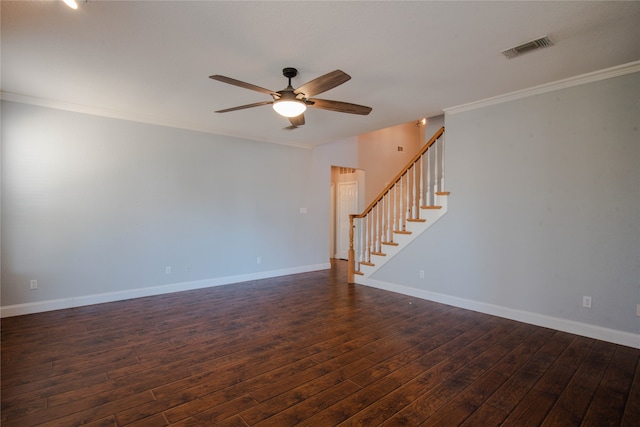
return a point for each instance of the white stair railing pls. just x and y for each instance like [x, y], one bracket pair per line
[413, 189]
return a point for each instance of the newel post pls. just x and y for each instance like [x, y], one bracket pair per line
[351, 263]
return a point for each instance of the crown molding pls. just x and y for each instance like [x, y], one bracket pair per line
[122, 115]
[607, 73]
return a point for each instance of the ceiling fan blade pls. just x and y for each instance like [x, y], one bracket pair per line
[341, 107]
[242, 107]
[323, 83]
[239, 83]
[297, 121]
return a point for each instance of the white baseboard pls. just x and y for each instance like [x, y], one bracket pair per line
[592, 331]
[59, 304]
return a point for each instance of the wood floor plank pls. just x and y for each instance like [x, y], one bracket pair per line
[487, 374]
[208, 415]
[535, 405]
[318, 381]
[465, 403]
[305, 349]
[428, 403]
[608, 404]
[41, 391]
[573, 402]
[109, 421]
[156, 420]
[80, 413]
[456, 370]
[418, 375]
[394, 380]
[298, 414]
[485, 415]
[198, 386]
[536, 357]
[343, 366]
[631, 413]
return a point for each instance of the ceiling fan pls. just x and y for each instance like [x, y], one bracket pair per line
[292, 103]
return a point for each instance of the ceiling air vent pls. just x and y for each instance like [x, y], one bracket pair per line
[528, 47]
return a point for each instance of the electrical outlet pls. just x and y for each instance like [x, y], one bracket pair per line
[586, 302]
[638, 310]
[422, 274]
[258, 260]
[33, 284]
[167, 269]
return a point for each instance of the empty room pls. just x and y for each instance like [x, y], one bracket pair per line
[320, 213]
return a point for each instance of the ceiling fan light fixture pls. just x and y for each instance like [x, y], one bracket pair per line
[289, 108]
[292, 103]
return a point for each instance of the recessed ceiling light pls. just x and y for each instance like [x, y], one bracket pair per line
[71, 3]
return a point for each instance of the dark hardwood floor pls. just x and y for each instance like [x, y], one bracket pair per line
[306, 349]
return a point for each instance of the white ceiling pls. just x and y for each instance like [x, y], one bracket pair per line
[150, 60]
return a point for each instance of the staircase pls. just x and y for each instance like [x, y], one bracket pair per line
[413, 201]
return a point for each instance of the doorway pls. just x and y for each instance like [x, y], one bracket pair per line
[347, 197]
[347, 203]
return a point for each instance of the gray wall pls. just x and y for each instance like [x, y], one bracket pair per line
[544, 207]
[432, 126]
[94, 205]
[339, 153]
[379, 157]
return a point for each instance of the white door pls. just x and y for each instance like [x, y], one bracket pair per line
[347, 204]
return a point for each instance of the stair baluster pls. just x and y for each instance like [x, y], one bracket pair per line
[415, 187]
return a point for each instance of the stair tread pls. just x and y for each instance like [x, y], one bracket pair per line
[389, 210]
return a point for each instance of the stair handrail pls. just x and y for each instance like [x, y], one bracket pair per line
[392, 183]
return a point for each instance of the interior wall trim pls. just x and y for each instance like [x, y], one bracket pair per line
[60, 304]
[577, 328]
[620, 70]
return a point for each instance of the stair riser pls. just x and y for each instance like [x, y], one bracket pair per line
[416, 229]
